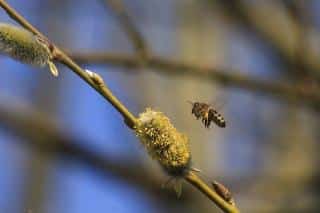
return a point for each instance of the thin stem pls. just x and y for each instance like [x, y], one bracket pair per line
[102, 89]
[66, 60]
[195, 180]
[18, 18]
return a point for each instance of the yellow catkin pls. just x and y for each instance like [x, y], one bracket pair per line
[25, 47]
[163, 142]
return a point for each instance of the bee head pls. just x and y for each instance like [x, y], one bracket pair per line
[194, 104]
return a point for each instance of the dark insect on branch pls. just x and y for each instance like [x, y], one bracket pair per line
[207, 114]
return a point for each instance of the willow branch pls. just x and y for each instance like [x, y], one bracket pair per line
[194, 180]
[102, 89]
[63, 58]
[67, 61]
[284, 91]
[128, 26]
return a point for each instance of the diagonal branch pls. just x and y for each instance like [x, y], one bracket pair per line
[281, 90]
[100, 87]
[128, 26]
[194, 180]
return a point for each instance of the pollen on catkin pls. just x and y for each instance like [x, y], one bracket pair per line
[25, 47]
[163, 142]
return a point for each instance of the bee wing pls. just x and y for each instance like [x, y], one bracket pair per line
[219, 103]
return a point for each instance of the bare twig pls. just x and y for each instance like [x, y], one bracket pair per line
[128, 26]
[194, 180]
[66, 60]
[102, 89]
[281, 90]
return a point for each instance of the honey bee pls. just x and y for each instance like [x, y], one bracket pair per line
[207, 114]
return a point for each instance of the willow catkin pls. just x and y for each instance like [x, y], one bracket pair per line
[25, 47]
[163, 142]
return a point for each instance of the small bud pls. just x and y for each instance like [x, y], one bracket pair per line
[25, 47]
[95, 77]
[163, 142]
[223, 192]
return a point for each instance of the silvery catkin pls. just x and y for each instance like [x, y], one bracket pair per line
[25, 47]
[163, 142]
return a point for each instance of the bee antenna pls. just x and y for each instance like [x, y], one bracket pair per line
[190, 102]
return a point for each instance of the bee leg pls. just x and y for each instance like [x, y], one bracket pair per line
[208, 124]
[205, 121]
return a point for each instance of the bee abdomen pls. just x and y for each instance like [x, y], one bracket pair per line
[217, 118]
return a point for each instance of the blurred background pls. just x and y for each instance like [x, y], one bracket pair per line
[64, 149]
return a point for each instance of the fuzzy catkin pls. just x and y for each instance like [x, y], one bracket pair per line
[25, 47]
[163, 142]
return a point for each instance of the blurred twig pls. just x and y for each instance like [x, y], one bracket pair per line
[245, 16]
[128, 26]
[297, 11]
[41, 164]
[282, 90]
[43, 134]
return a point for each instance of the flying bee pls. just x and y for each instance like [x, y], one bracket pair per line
[207, 114]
